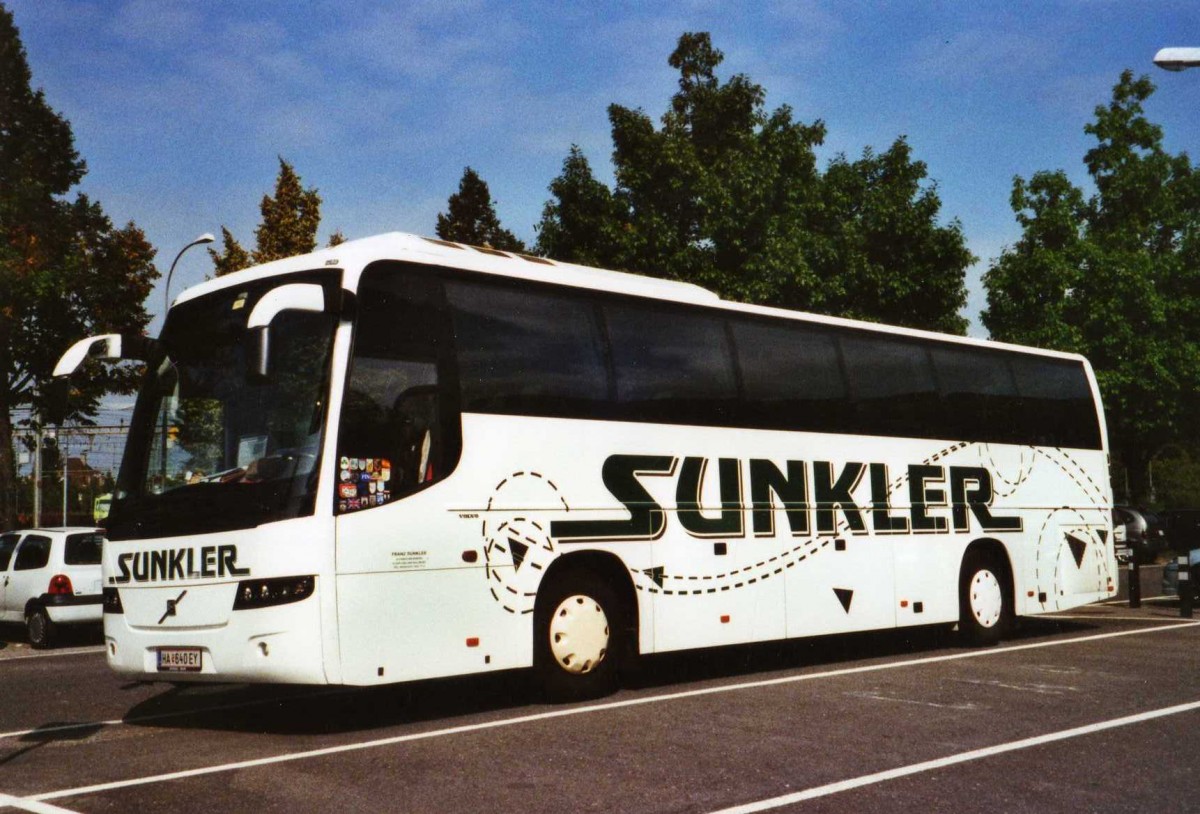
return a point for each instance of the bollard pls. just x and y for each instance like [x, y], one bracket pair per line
[1185, 587]
[1135, 584]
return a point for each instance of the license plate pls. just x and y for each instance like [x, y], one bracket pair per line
[179, 659]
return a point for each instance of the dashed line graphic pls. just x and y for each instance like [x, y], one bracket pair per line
[518, 548]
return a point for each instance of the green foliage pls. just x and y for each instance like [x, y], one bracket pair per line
[289, 220]
[895, 263]
[288, 227]
[471, 217]
[583, 223]
[1177, 479]
[232, 257]
[728, 196]
[1114, 276]
[65, 270]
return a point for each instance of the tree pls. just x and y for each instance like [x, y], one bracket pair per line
[288, 227]
[471, 217]
[65, 270]
[894, 262]
[583, 223]
[232, 257]
[729, 196]
[1114, 276]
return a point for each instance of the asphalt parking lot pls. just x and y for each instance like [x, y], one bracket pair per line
[1095, 710]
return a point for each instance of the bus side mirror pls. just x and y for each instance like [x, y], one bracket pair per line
[111, 347]
[294, 297]
[106, 346]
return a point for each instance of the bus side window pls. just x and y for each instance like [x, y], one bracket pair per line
[394, 438]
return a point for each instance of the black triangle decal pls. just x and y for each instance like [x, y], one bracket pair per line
[845, 596]
[1078, 549]
[518, 550]
[1103, 533]
[655, 574]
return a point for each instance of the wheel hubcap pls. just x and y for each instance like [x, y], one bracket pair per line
[987, 598]
[579, 634]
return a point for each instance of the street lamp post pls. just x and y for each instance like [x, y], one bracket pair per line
[204, 238]
[1177, 59]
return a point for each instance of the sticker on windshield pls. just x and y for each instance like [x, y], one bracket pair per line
[363, 483]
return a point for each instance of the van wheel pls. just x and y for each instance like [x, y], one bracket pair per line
[41, 630]
[985, 602]
[577, 628]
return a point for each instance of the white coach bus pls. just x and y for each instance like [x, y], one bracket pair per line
[402, 458]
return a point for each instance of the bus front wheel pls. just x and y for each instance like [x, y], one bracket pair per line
[985, 602]
[576, 624]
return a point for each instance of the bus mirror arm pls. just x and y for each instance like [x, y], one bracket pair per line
[111, 347]
[293, 297]
[55, 401]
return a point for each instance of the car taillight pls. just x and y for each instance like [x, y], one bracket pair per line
[60, 584]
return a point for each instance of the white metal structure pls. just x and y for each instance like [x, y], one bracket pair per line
[1177, 59]
[402, 458]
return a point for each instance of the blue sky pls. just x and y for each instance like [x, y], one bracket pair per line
[180, 107]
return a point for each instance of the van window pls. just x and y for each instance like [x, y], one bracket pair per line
[34, 553]
[8, 542]
[83, 549]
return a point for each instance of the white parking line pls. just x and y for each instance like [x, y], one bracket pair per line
[563, 713]
[1106, 617]
[31, 805]
[159, 716]
[43, 654]
[951, 760]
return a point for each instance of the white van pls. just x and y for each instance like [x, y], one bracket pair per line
[50, 577]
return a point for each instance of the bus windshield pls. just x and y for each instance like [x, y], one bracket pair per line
[211, 446]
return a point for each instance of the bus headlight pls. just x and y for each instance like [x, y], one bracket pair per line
[262, 593]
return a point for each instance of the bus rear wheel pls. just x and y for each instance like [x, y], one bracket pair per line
[577, 624]
[985, 601]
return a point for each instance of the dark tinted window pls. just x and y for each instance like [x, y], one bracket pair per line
[791, 377]
[978, 393]
[670, 365]
[8, 542]
[1054, 403]
[398, 433]
[893, 386]
[83, 549]
[525, 351]
[33, 553]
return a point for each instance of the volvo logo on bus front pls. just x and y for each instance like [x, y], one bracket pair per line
[172, 604]
[178, 563]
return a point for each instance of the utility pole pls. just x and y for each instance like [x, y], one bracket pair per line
[66, 465]
[37, 478]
